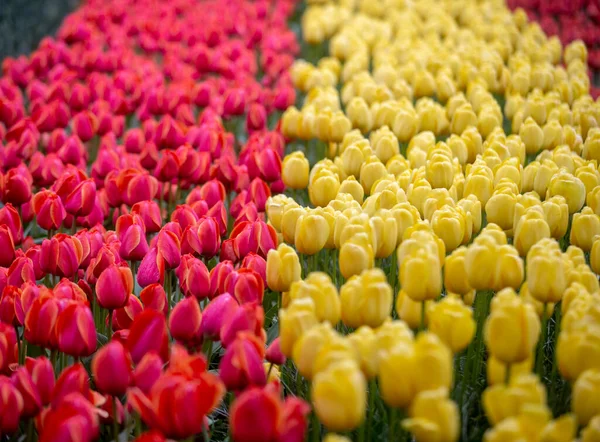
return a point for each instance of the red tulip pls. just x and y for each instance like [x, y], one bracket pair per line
[235, 102]
[7, 246]
[32, 401]
[192, 397]
[259, 193]
[258, 414]
[29, 293]
[114, 286]
[21, 271]
[7, 304]
[185, 320]
[81, 200]
[212, 192]
[185, 216]
[257, 237]
[194, 278]
[49, 210]
[150, 214]
[42, 375]
[85, 125]
[111, 369]
[104, 258]
[133, 244]
[242, 364]
[154, 297]
[218, 275]
[152, 269]
[40, 321]
[169, 248]
[256, 118]
[74, 419]
[228, 250]
[11, 219]
[245, 285]
[16, 187]
[219, 213]
[216, 313]
[269, 164]
[134, 140]
[11, 406]
[248, 317]
[148, 333]
[285, 96]
[274, 354]
[8, 347]
[169, 133]
[256, 263]
[61, 255]
[168, 166]
[123, 317]
[147, 371]
[76, 331]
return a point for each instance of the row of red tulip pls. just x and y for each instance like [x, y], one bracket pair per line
[122, 178]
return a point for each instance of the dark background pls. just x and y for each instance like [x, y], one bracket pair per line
[23, 23]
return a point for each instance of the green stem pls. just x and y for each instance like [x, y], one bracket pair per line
[481, 311]
[29, 429]
[371, 410]
[168, 290]
[115, 420]
[393, 414]
[507, 374]
[553, 376]
[540, 349]
[422, 325]
[110, 323]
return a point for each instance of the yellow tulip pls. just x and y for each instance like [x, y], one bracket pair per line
[463, 118]
[364, 341]
[455, 272]
[370, 171]
[356, 255]
[339, 396]
[586, 391]
[397, 371]
[452, 321]
[294, 170]
[556, 212]
[323, 188]
[569, 187]
[578, 350]
[503, 401]
[298, 317]
[496, 370]
[532, 135]
[312, 232]
[585, 226]
[307, 347]
[433, 417]
[318, 287]
[352, 187]
[512, 329]
[283, 268]
[591, 433]
[531, 228]
[366, 299]
[546, 275]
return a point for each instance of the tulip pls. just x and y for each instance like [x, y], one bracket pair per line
[11, 404]
[169, 248]
[592, 431]
[546, 275]
[216, 313]
[147, 371]
[148, 333]
[420, 275]
[111, 369]
[42, 375]
[245, 285]
[452, 322]
[586, 387]
[61, 255]
[283, 268]
[154, 297]
[309, 345]
[433, 416]
[504, 401]
[12, 220]
[241, 366]
[247, 318]
[151, 269]
[497, 371]
[184, 321]
[74, 418]
[259, 414]
[339, 396]
[299, 316]
[509, 314]
[76, 331]
[366, 299]
[274, 354]
[81, 200]
[32, 401]
[133, 244]
[356, 255]
[7, 246]
[319, 287]
[295, 171]
[114, 286]
[49, 210]
[585, 226]
[569, 187]
[40, 321]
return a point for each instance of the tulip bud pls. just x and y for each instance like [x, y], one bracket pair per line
[294, 321]
[319, 287]
[216, 313]
[12, 405]
[295, 170]
[433, 415]
[339, 396]
[511, 315]
[148, 333]
[585, 389]
[283, 268]
[531, 228]
[76, 331]
[185, 320]
[420, 275]
[568, 186]
[498, 403]
[452, 322]
[366, 299]
[241, 366]
[111, 368]
[356, 255]
[312, 232]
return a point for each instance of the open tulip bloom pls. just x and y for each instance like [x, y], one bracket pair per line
[279, 221]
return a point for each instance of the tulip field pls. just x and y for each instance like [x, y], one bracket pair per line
[287, 221]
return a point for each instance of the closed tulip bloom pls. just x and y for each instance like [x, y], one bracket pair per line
[339, 396]
[452, 321]
[434, 361]
[512, 329]
[114, 286]
[585, 226]
[569, 187]
[421, 276]
[241, 365]
[592, 431]
[531, 228]
[216, 313]
[295, 170]
[7, 243]
[433, 416]
[111, 369]
[585, 391]
[366, 299]
[556, 212]
[148, 333]
[49, 210]
[61, 255]
[194, 279]
[32, 401]
[185, 320]
[323, 188]
[298, 317]
[312, 231]
[76, 331]
[463, 118]
[319, 287]
[307, 348]
[133, 244]
[452, 226]
[397, 372]
[245, 285]
[40, 321]
[248, 318]
[509, 270]
[154, 297]
[356, 255]
[169, 248]
[503, 401]
[455, 272]
[81, 201]
[42, 375]
[546, 276]
[11, 404]
[364, 342]
[283, 268]
[577, 349]
[532, 135]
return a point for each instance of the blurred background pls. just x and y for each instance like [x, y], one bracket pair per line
[23, 23]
